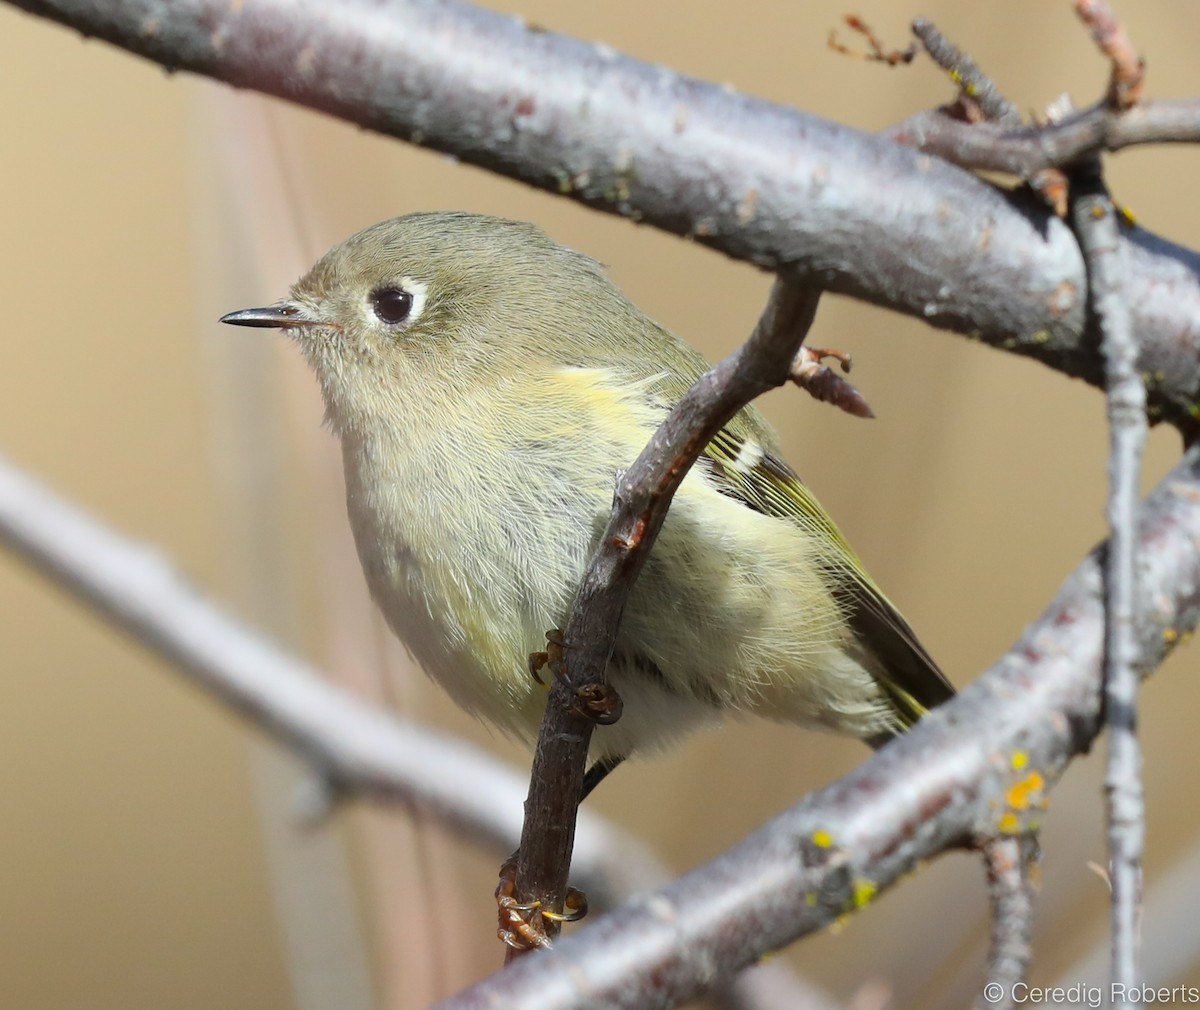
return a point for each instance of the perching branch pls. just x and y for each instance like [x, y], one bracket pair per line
[353, 748]
[642, 498]
[977, 765]
[841, 211]
[848, 212]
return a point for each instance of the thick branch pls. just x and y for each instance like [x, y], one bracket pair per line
[975, 765]
[849, 212]
[642, 498]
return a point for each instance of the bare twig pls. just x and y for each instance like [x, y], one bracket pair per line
[1128, 79]
[980, 100]
[950, 779]
[1025, 151]
[1011, 888]
[642, 498]
[843, 210]
[821, 382]
[974, 83]
[876, 51]
[1095, 222]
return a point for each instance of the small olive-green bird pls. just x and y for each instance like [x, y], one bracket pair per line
[487, 385]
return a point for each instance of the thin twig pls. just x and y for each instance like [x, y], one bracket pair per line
[1011, 889]
[974, 83]
[1128, 78]
[961, 773]
[876, 52]
[786, 190]
[980, 100]
[642, 498]
[1096, 223]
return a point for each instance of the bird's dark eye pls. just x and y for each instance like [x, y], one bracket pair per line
[392, 305]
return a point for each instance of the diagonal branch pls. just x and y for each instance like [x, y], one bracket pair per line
[976, 765]
[642, 498]
[849, 212]
[354, 747]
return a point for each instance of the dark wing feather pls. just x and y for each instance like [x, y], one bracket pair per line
[912, 680]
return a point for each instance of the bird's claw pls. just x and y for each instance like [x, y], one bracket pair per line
[554, 657]
[517, 928]
[599, 702]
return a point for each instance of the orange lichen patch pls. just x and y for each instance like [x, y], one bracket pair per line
[1026, 793]
[1019, 760]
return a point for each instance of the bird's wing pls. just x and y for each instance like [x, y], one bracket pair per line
[754, 475]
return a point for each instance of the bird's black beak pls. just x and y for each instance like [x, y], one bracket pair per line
[280, 317]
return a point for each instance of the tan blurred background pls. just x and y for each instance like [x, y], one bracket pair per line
[146, 857]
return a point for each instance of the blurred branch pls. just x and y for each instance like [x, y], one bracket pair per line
[974, 85]
[353, 747]
[973, 767]
[641, 501]
[350, 744]
[1128, 79]
[1171, 941]
[1095, 221]
[1010, 871]
[848, 212]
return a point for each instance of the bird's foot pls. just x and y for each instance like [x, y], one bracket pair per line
[518, 925]
[598, 702]
[554, 657]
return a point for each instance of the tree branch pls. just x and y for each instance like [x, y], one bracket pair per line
[974, 766]
[971, 80]
[1010, 885]
[843, 210]
[1027, 150]
[642, 498]
[352, 747]
[1095, 221]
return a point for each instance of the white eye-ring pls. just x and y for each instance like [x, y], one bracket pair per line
[400, 302]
